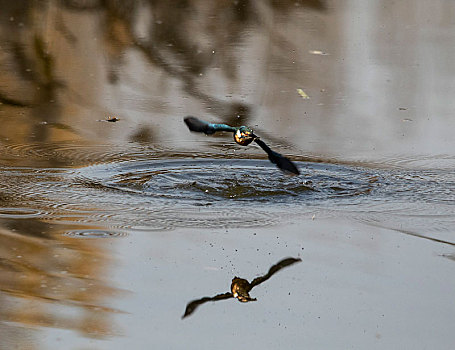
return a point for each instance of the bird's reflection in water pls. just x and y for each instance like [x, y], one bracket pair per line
[240, 287]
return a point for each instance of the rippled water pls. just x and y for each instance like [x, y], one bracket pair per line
[144, 190]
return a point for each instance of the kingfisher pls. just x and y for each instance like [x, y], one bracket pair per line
[243, 135]
[240, 287]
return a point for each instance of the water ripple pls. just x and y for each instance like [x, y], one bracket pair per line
[215, 180]
[20, 213]
[95, 234]
[145, 193]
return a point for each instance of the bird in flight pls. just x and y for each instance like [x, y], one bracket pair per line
[240, 287]
[243, 135]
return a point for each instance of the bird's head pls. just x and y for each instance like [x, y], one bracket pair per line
[244, 136]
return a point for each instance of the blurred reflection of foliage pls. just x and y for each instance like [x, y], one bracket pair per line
[183, 35]
[183, 38]
[53, 283]
[48, 279]
[26, 53]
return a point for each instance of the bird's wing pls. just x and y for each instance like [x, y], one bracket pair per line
[192, 305]
[279, 160]
[274, 269]
[197, 125]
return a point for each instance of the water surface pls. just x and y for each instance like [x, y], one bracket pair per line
[108, 229]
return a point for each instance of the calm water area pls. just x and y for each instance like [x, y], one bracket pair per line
[114, 216]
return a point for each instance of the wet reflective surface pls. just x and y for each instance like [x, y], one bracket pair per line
[107, 228]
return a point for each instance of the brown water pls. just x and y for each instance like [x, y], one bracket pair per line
[108, 229]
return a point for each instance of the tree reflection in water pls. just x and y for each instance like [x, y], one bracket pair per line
[51, 55]
[53, 281]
